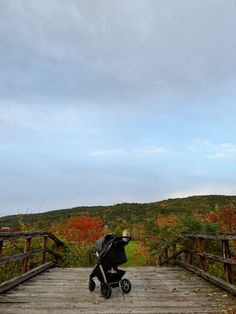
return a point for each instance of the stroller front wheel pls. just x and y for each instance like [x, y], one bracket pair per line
[106, 290]
[92, 285]
[125, 285]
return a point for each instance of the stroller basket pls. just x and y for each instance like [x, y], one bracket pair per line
[112, 277]
[110, 253]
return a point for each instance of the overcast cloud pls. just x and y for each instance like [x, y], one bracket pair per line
[106, 101]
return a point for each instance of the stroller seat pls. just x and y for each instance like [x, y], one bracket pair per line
[110, 253]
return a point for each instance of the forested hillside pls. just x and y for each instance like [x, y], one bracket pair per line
[132, 212]
[152, 227]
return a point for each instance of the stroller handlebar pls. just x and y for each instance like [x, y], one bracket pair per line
[124, 238]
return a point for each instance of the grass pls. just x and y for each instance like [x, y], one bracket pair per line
[136, 254]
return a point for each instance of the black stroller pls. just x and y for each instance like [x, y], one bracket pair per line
[110, 253]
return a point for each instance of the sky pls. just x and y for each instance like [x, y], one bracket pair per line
[112, 101]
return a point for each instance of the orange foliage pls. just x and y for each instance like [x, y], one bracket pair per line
[228, 219]
[211, 217]
[169, 220]
[83, 229]
[226, 216]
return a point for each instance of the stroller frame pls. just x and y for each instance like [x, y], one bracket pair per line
[106, 268]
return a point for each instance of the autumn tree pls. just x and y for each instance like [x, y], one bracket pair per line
[83, 229]
[227, 216]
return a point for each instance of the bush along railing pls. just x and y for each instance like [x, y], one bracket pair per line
[25, 254]
[211, 256]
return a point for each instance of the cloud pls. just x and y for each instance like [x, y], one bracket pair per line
[114, 53]
[223, 152]
[140, 151]
[112, 152]
[210, 150]
[83, 83]
[197, 145]
[151, 150]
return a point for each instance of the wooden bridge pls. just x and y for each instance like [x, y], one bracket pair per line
[154, 289]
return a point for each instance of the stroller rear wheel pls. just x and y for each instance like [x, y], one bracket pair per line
[106, 290]
[92, 285]
[125, 285]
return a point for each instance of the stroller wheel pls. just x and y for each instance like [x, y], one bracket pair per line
[125, 285]
[92, 285]
[106, 290]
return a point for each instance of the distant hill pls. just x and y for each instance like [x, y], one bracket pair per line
[132, 212]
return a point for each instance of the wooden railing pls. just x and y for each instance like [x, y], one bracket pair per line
[27, 253]
[195, 253]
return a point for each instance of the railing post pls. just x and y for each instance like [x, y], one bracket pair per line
[227, 267]
[166, 254]
[201, 246]
[43, 257]
[57, 250]
[174, 252]
[26, 250]
[1, 246]
[191, 245]
[188, 256]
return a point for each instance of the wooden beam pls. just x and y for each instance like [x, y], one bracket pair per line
[14, 235]
[216, 281]
[1, 246]
[188, 256]
[43, 257]
[14, 258]
[215, 236]
[170, 257]
[213, 257]
[17, 235]
[201, 246]
[227, 266]
[58, 242]
[7, 285]
[174, 247]
[26, 250]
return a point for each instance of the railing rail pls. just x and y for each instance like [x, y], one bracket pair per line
[27, 253]
[190, 252]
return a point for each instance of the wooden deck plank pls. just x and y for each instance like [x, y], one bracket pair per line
[154, 290]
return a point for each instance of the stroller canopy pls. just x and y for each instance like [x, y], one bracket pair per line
[111, 250]
[101, 242]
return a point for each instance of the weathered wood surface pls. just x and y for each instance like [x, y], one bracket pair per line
[154, 290]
